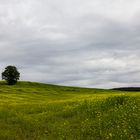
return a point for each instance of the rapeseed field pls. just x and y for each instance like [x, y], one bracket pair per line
[35, 111]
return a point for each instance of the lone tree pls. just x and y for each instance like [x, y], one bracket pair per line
[11, 75]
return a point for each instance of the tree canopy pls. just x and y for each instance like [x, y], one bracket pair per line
[11, 75]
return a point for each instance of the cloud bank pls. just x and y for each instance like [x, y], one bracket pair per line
[91, 43]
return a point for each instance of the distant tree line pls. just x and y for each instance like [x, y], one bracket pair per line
[11, 75]
[128, 89]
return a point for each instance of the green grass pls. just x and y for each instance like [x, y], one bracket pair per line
[35, 111]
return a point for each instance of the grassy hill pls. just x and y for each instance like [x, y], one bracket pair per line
[35, 111]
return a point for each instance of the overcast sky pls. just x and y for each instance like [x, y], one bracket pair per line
[87, 43]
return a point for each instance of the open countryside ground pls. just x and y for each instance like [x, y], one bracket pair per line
[34, 111]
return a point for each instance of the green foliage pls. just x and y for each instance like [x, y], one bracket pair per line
[11, 75]
[33, 111]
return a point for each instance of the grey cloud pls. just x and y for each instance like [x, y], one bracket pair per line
[76, 43]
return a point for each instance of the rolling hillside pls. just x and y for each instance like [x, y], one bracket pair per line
[35, 111]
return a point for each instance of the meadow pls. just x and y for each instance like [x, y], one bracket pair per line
[35, 111]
